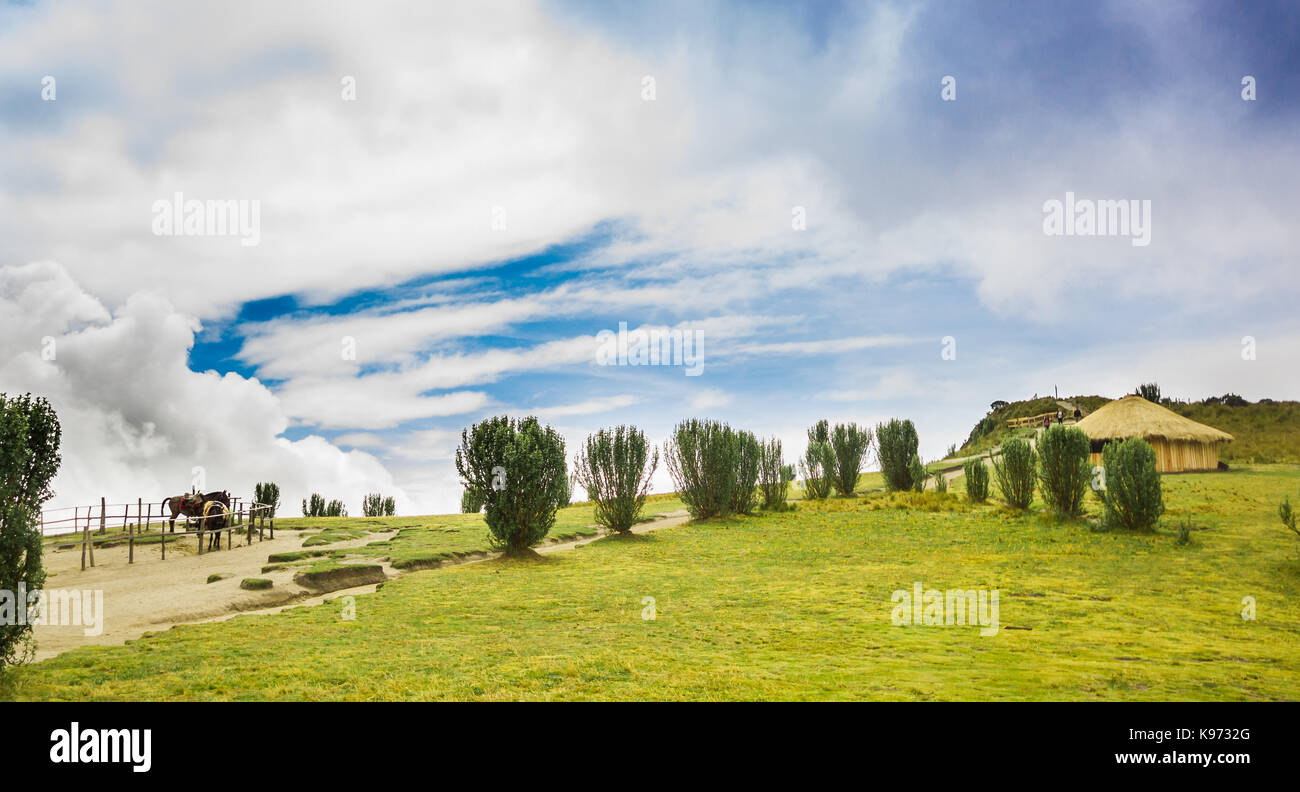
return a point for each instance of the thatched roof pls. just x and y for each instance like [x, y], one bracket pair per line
[1134, 416]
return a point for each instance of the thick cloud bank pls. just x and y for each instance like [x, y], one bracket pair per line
[137, 421]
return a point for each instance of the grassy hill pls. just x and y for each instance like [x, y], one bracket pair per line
[795, 605]
[1265, 431]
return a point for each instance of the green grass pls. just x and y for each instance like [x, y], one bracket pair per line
[1261, 432]
[785, 606]
[254, 584]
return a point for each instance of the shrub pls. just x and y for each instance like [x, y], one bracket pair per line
[372, 505]
[940, 482]
[471, 502]
[1149, 391]
[714, 467]
[1288, 516]
[29, 458]
[850, 445]
[1063, 469]
[816, 465]
[916, 472]
[774, 476]
[313, 507]
[749, 458]
[1015, 473]
[267, 493]
[254, 584]
[517, 469]
[615, 467]
[390, 507]
[896, 444]
[1133, 495]
[336, 509]
[977, 480]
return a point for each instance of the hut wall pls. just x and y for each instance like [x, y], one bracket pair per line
[1179, 456]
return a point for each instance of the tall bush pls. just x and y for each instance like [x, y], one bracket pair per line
[916, 472]
[1063, 469]
[749, 459]
[1133, 495]
[615, 467]
[372, 505]
[774, 476]
[29, 457]
[313, 507]
[1015, 473]
[896, 444]
[390, 507]
[268, 494]
[471, 502]
[517, 468]
[850, 445]
[816, 468]
[714, 467]
[976, 474]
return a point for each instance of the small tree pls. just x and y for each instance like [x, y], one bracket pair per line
[314, 507]
[816, 466]
[774, 476]
[390, 507]
[268, 494]
[471, 502]
[749, 458]
[1133, 495]
[615, 467]
[940, 482]
[916, 472]
[896, 444]
[517, 469]
[1149, 391]
[850, 445]
[702, 458]
[29, 457]
[372, 505]
[976, 474]
[1063, 469]
[1015, 473]
[336, 509]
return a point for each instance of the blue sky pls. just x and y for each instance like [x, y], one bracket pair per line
[924, 221]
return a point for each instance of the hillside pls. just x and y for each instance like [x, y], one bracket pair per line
[1266, 431]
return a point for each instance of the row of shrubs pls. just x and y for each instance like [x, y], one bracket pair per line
[514, 471]
[1128, 483]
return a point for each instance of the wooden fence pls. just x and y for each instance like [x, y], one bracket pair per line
[248, 517]
[1031, 420]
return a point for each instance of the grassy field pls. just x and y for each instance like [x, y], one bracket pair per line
[781, 606]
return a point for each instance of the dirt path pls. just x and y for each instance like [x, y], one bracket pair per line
[153, 594]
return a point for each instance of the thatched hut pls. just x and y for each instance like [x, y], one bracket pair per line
[1181, 444]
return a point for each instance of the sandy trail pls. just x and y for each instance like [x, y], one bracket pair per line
[153, 594]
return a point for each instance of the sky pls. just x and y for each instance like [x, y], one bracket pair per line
[843, 206]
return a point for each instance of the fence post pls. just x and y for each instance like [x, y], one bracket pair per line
[130, 544]
[103, 516]
[162, 536]
[76, 513]
[101, 526]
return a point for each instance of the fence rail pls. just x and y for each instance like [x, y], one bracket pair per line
[247, 516]
[1032, 420]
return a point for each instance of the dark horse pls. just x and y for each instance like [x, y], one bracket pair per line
[216, 516]
[191, 504]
